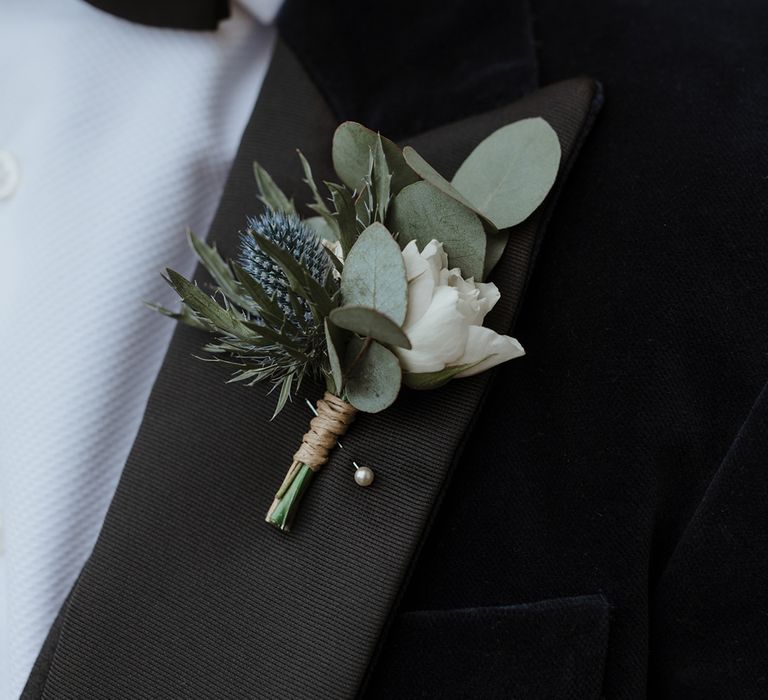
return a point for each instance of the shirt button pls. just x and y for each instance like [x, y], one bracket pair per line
[10, 173]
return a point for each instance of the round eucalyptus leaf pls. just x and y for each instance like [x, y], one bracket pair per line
[374, 274]
[370, 323]
[510, 172]
[353, 144]
[374, 376]
[434, 178]
[421, 212]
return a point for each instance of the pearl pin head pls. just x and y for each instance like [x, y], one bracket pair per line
[364, 476]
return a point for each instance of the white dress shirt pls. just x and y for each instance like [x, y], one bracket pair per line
[114, 138]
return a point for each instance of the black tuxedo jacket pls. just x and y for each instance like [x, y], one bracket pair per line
[587, 521]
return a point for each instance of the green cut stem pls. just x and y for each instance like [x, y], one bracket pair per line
[289, 495]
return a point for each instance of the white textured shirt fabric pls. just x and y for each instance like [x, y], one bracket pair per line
[114, 138]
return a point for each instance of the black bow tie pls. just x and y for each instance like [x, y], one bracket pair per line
[176, 14]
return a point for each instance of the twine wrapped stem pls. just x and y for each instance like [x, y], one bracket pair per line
[334, 416]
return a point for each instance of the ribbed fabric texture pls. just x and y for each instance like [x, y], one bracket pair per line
[124, 135]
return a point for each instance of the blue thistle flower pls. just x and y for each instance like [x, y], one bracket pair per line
[293, 236]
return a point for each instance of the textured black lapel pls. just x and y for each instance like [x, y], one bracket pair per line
[188, 592]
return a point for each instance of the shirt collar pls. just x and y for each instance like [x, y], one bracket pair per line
[264, 11]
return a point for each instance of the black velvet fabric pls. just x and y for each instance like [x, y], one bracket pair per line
[626, 453]
[404, 67]
[500, 652]
[611, 458]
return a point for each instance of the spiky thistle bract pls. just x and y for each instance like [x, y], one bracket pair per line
[266, 312]
[294, 237]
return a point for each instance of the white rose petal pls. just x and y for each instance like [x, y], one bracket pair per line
[439, 337]
[414, 263]
[445, 317]
[435, 255]
[485, 349]
[421, 283]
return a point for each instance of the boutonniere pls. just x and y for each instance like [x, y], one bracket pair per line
[382, 286]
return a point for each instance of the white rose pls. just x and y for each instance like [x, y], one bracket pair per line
[445, 317]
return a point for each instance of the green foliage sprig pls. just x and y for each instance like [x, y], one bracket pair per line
[342, 325]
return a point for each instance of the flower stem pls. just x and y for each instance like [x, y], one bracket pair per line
[289, 495]
[332, 418]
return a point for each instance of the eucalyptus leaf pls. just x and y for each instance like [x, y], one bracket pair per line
[370, 323]
[509, 173]
[334, 341]
[352, 145]
[434, 380]
[322, 228]
[269, 193]
[497, 240]
[374, 274]
[421, 212]
[374, 376]
[434, 178]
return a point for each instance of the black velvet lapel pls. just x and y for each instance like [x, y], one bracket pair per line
[188, 592]
[404, 67]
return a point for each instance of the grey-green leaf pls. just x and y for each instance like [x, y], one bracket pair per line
[434, 178]
[352, 146]
[202, 304]
[345, 217]
[374, 274]
[510, 172]
[334, 342]
[218, 269]
[497, 240]
[185, 316]
[270, 193]
[323, 230]
[374, 381]
[422, 213]
[370, 323]
[381, 180]
[309, 179]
